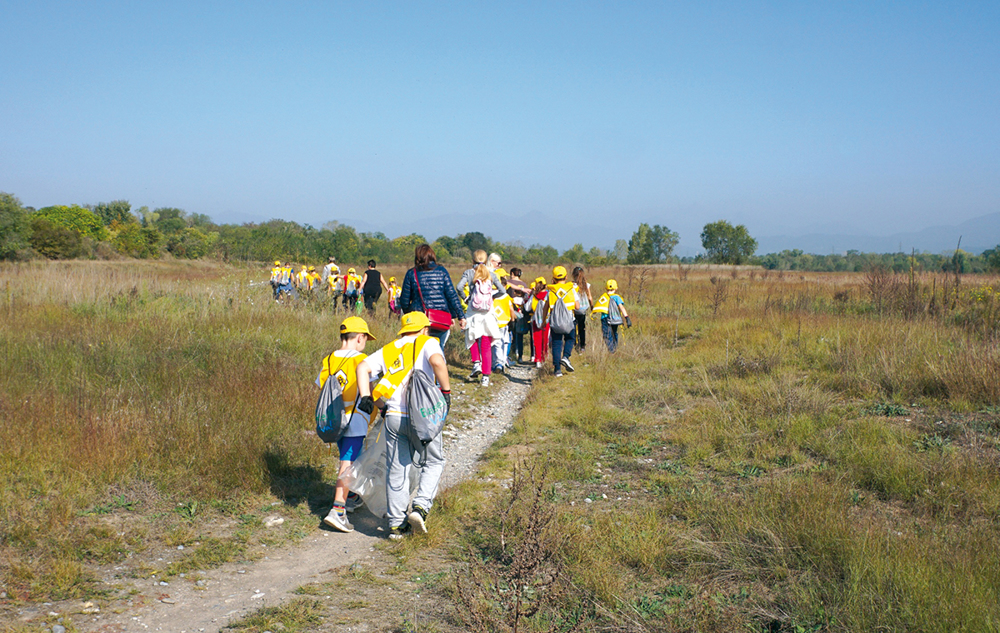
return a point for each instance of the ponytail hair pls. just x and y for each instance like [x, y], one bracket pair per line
[482, 273]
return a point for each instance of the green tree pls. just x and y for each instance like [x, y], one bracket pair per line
[575, 254]
[14, 227]
[54, 240]
[137, 241]
[75, 218]
[115, 213]
[727, 244]
[651, 245]
[992, 257]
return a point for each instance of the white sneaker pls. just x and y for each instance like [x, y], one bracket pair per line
[486, 381]
[538, 364]
[565, 362]
[477, 370]
[338, 521]
[558, 374]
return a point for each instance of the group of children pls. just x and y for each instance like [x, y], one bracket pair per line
[377, 383]
[501, 309]
[350, 290]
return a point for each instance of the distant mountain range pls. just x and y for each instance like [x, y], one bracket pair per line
[978, 234]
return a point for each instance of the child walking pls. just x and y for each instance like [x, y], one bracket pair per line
[503, 310]
[481, 324]
[611, 307]
[539, 321]
[342, 365]
[562, 342]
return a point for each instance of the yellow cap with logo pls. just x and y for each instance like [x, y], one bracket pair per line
[413, 322]
[355, 325]
[611, 285]
[392, 280]
[539, 280]
[501, 272]
[277, 263]
[350, 270]
[559, 272]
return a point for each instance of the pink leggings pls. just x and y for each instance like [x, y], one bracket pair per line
[481, 352]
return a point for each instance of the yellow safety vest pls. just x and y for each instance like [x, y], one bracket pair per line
[312, 278]
[503, 310]
[601, 307]
[399, 364]
[346, 372]
[276, 274]
[564, 291]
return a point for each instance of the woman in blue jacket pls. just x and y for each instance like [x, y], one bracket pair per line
[435, 292]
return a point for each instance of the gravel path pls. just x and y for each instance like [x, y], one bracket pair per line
[233, 590]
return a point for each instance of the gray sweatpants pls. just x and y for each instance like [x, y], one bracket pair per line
[398, 457]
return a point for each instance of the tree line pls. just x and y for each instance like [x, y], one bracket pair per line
[114, 228]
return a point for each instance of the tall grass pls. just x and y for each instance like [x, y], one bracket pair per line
[742, 476]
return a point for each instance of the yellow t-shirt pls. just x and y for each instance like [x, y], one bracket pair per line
[313, 278]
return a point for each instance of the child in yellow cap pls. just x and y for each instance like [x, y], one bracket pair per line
[611, 307]
[394, 292]
[391, 367]
[539, 303]
[342, 365]
[561, 290]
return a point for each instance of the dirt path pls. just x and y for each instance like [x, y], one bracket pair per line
[233, 590]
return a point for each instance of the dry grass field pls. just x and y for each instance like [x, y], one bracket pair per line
[769, 452]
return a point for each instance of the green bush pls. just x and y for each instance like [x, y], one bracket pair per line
[55, 241]
[13, 226]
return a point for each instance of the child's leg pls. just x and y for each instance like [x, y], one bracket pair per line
[475, 353]
[557, 351]
[485, 345]
[606, 330]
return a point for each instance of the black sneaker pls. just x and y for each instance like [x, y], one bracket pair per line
[418, 519]
[398, 532]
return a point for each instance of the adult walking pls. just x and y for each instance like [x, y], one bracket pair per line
[371, 285]
[428, 288]
[479, 258]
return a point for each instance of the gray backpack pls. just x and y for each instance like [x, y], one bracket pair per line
[561, 321]
[428, 410]
[331, 419]
[614, 312]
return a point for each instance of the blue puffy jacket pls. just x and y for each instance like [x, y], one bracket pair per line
[437, 289]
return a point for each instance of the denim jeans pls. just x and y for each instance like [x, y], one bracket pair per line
[610, 335]
[562, 346]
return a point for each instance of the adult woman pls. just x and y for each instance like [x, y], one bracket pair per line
[371, 285]
[427, 288]
[585, 301]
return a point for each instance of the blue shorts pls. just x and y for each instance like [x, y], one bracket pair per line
[350, 447]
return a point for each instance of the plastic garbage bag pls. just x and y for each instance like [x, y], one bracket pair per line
[366, 476]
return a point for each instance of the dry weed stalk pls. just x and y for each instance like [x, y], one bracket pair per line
[519, 574]
[719, 294]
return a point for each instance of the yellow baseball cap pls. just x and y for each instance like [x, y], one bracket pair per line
[277, 263]
[611, 285]
[539, 280]
[312, 268]
[559, 272]
[350, 270]
[413, 322]
[501, 272]
[355, 325]
[392, 279]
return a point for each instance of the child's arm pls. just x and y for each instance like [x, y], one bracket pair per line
[628, 319]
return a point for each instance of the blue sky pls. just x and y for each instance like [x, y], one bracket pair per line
[788, 117]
